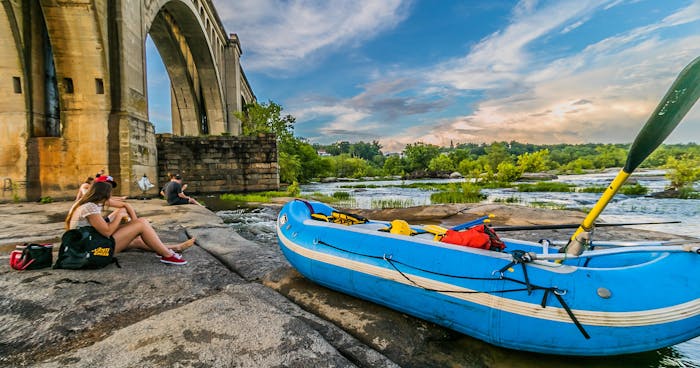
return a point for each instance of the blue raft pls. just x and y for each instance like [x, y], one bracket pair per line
[610, 301]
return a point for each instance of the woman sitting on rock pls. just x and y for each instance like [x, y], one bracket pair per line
[88, 212]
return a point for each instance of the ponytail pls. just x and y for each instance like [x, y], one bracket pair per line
[98, 193]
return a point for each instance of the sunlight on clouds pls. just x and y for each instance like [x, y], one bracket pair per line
[605, 93]
[297, 31]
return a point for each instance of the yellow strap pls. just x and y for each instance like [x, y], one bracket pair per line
[319, 216]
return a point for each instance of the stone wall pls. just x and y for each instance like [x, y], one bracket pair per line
[220, 164]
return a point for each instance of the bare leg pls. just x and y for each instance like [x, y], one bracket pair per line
[138, 243]
[127, 233]
[182, 246]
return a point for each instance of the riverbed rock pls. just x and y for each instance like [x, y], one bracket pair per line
[668, 193]
[205, 313]
[237, 303]
[539, 176]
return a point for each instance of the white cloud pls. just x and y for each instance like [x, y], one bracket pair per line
[607, 100]
[499, 59]
[282, 35]
[604, 93]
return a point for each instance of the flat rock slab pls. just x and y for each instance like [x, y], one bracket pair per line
[231, 328]
[217, 311]
[211, 312]
[49, 311]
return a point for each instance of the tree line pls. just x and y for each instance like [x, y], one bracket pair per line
[500, 162]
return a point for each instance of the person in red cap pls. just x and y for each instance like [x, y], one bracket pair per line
[88, 212]
[84, 187]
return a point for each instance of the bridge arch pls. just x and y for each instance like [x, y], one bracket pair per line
[179, 32]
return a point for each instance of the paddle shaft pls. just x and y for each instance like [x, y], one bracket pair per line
[471, 223]
[573, 226]
[681, 96]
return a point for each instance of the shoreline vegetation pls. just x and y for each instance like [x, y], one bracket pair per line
[482, 165]
[447, 193]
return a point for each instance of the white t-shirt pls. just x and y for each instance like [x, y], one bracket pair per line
[79, 217]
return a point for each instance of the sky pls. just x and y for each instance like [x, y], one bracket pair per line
[442, 71]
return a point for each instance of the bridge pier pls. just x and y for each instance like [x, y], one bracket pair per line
[75, 99]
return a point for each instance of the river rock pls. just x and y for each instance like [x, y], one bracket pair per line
[541, 176]
[668, 193]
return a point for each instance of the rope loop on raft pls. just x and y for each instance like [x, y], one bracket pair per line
[519, 257]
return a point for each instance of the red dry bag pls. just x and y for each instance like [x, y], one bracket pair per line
[479, 236]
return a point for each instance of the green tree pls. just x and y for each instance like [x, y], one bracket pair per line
[496, 153]
[418, 155]
[534, 162]
[351, 167]
[394, 165]
[682, 173]
[441, 163]
[365, 150]
[609, 155]
[290, 167]
[507, 172]
[470, 168]
[266, 118]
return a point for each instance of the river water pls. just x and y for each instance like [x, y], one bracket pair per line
[258, 224]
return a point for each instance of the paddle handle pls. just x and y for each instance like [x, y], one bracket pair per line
[471, 223]
[603, 201]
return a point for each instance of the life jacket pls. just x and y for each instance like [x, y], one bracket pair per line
[479, 236]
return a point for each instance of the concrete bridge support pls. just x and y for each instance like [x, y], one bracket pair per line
[75, 99]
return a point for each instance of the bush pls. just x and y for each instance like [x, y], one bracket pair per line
[466, 193]
[341, 195]
[636, 189]
[545, 186]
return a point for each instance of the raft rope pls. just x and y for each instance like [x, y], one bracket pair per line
[519, 257]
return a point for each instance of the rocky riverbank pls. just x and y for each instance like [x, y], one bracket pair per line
[237, 302]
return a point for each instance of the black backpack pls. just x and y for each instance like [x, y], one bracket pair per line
[85, 248]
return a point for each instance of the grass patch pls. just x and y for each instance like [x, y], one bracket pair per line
[253, 197]
[548, 205]
[341, 195]
[546, 186]
[292, 191]
[360, 186]
[636, 189]
[688, 193]
[465, 193]
[391, 203]
[511, 199]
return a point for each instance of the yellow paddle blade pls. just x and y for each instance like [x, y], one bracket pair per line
[435, 229]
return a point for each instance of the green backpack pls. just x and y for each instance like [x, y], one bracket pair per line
[85, 248]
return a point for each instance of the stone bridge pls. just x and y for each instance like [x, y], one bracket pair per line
[74, 92]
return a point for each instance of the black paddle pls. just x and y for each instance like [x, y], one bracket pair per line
[682, 95]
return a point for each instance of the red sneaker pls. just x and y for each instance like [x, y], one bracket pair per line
[174, 258]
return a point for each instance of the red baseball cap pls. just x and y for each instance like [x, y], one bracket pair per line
[106, 179]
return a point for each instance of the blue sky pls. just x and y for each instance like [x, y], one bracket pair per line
[462, 71]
